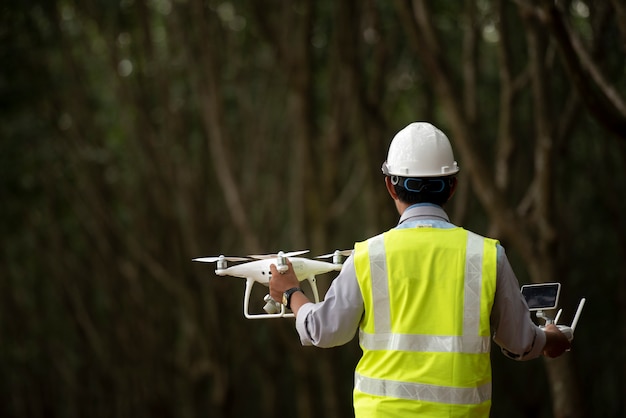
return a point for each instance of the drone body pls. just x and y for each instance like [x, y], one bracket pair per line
[259, 271]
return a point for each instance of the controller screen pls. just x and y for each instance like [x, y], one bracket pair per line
[541, 296]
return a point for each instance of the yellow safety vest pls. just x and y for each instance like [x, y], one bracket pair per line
[425, 333]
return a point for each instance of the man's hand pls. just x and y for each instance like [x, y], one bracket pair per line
[281, 282]
[556, 342]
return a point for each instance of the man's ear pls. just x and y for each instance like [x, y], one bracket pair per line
[453, 183]
[390, 188]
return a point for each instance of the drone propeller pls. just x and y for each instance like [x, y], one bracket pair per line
[219, 258]
[344, 253]
[280, 254]
[338, 256]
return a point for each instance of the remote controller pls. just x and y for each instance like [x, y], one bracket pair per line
[545, 296]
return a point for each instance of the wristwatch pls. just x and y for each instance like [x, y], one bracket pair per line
[287, 296]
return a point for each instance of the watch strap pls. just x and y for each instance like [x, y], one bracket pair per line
[287, 296]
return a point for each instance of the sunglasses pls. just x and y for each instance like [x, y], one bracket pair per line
[420, 185]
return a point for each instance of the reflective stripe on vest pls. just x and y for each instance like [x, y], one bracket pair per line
[433, 344]
[428, 393]
[469, 346]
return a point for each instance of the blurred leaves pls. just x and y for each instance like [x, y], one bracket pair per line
[139, 134]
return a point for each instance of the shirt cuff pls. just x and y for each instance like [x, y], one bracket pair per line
[538, 345]
[535, 350]
[301, 323]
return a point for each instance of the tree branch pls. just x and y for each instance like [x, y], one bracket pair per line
[209, 94]
[601, 99]
[425, 43]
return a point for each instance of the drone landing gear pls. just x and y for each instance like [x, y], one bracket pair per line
[272, 308]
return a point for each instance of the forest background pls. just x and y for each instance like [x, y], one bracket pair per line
[139, 134]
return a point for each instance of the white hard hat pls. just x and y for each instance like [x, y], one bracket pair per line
[420, 150]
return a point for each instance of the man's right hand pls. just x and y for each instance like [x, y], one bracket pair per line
[556, 342]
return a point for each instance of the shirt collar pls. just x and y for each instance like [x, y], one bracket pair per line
[423, 211]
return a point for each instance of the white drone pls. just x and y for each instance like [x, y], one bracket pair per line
[259, 271]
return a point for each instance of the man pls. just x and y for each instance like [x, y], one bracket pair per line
[426, 296]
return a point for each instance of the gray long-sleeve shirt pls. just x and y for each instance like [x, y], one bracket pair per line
[335, 320]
